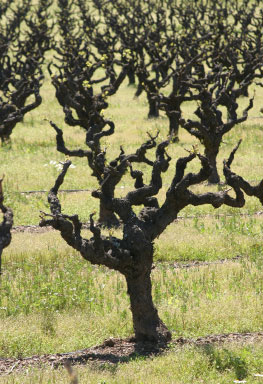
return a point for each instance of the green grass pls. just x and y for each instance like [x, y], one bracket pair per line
[53, 301]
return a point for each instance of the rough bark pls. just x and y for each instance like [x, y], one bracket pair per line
[10, 116]
[146, 322]
[173, 126]
[153, 107]
[211, 154]
[131, 76]
[107, 217]
[75, 93]
[5, 226]
[210, 128]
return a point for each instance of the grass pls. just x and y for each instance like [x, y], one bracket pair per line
[46, 289]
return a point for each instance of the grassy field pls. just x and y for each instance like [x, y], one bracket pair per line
[47, 290]
[53, 301]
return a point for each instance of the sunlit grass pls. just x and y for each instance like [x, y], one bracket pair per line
[51, 300]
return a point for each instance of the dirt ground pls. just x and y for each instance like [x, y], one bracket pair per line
[120, 350]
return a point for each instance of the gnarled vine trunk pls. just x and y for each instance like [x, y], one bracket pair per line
[153, 107]
[147, 324]
[131, 76]
[107, 218]
[173, 126]
[211, 153]
[132, 254]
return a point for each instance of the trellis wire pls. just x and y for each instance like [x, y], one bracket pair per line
[35, 228]
[90, 190]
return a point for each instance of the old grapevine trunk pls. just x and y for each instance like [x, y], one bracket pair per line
[131, 76]
[211, 153]
[153, 107]
[147, 324]
[173, 126]
[107, 218]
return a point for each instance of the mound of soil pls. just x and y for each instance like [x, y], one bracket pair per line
[119, 350]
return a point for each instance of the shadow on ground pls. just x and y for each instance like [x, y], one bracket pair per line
[114, 351]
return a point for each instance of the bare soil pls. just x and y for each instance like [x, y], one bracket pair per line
[115, 351]
[197, 263]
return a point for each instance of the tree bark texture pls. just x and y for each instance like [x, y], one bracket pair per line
[131, 76]
[211, 154]
[107, 218]
[153, 108]
[147, 324]
[173, 127]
